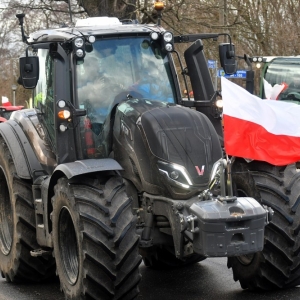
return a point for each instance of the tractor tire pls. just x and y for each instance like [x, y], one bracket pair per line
[278, 265]
[18, 227]
[94, 238]
[161, 258]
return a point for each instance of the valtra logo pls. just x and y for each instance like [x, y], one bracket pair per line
[200, 172]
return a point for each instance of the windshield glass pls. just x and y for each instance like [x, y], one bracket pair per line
[115, 70]
[5, 114]
[285, 70]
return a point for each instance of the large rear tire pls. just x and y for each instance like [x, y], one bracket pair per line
[95, 244]
[278, 265]
[18, 228]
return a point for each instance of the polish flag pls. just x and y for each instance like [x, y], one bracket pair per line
[273, 92]
[257, 129]
[5, 101]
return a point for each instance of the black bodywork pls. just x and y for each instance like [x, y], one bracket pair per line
[164, 151]
[156, 136]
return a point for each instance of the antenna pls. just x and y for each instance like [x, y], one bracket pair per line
[70, 11]
[21, 21]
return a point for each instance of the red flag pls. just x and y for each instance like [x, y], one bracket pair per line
[259, 129]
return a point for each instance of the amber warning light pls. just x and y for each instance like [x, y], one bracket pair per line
[159, 5]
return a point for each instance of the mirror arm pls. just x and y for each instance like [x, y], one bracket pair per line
[21, 21]
[230, 53]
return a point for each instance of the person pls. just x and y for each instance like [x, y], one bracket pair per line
[150, 85]
[96, 89]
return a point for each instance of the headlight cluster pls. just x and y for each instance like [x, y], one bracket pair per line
[257, 59]
[175, 174]
[167, 40]
[63, 114]
[79, 45]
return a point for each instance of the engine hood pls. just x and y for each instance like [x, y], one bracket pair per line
[169, 144]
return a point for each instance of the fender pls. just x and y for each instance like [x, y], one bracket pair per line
[26, 163]
[85, 166]
[44, 190]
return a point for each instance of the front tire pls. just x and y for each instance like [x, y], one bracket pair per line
[95, 244]
[18, 227]
[278, 265]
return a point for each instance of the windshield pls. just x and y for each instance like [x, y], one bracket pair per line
[5, 114]
[285, 70]
[115, 70]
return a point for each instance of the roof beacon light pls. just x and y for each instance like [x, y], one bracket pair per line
[159, 5]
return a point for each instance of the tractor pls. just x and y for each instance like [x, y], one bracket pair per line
[112, 166]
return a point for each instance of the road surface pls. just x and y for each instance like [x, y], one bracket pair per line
[207, 280]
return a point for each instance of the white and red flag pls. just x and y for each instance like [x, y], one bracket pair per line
[273, 92]
[259, 129]
[5, 101]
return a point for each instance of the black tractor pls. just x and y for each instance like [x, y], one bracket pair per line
[112, 166]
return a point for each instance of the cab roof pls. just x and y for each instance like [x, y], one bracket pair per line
[93, 26]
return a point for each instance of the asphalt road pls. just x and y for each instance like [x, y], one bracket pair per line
[207, 280]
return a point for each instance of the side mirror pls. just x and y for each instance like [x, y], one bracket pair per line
[29, 71]
[227, 58]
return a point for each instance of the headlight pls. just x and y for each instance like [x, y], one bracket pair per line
[78, 42]
[219, 103]
[79, 53]
[168, 37]
[169, 47]
[176, 174]
[154, 35]
[91, 39]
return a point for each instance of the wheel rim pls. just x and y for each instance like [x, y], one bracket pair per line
[68, 247]
[6, 216]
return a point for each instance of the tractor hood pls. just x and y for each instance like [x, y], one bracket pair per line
[166, 143]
